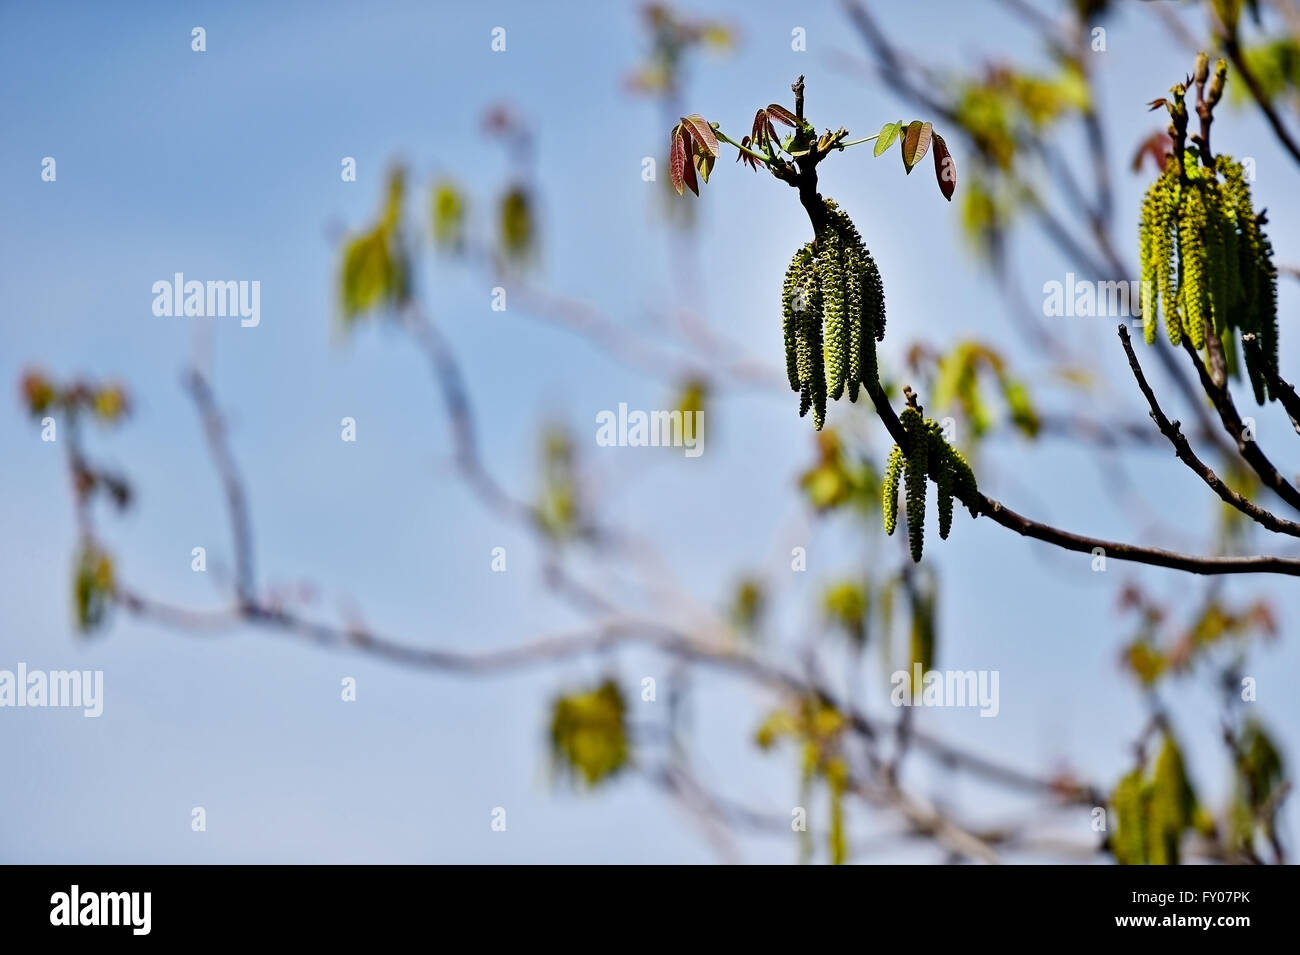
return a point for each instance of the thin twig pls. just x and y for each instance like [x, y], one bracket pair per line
[1170, 429]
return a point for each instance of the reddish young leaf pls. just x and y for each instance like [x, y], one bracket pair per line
[945, 170]
[1157, 146]
[677, 159]
[915, 143]
[782, 115]
[703, 133]
[746, 158]
[688, 178]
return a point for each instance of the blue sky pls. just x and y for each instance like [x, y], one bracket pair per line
[225, 164]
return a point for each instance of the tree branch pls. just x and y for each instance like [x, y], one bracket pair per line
[1249, 449]
[1170, 429]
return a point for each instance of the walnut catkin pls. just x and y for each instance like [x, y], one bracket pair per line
[1206, 262]
[830, 343]
[930, 456]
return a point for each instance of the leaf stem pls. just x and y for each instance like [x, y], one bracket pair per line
[857, 142]
[760, 156]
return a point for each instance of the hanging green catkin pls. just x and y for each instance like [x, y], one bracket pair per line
[889, 489]
[1157, 238]
[830, 270]
[963, 478]
[853, 303]
[1148, 224]
[1257, 298]
[1231, 256]
[915, 466]
[1236, 195]
[1165, 243]
[813, 331]
[1193, 291]
[873, 320]
[830, 341]
[1267, 311]
[794, 277]
[807, 319]
[941, 471]
[1215, 253]
[874, 299]
[873, 295]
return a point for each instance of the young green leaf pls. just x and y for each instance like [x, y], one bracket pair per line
[888, 133]
[704, 163]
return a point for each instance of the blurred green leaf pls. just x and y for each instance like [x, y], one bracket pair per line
[449, 215]
[588, 734]
[93, 587]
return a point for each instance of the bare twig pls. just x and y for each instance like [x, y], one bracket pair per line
[1249, 449]
[1170, 429]
[214, 429]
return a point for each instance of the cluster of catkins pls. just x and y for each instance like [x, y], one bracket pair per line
[834, 313]
[1224, 279]
[929, 455]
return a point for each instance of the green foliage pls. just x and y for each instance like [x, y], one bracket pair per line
[672, 36]
[845, 605]
[748, 605]
[1153, 814]
[836, 480]
[375, 273]
[962, 371]
[93, 585]
[1149, 656]
[1129, 801]
[106, 402]
[1276, 66]
[1007, 110]
[1262, 762]
[922, 596]
[558, 508]
[885, 138]
[588, 733]
[517, 226]
[1260, 776]
[449, 216]
[818, 728]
